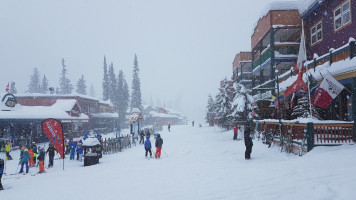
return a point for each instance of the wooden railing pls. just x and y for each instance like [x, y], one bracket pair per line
[319, 134]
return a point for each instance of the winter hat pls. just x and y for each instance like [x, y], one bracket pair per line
[147, 137]
[26, 150]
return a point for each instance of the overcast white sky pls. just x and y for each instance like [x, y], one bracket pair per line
[184, 47]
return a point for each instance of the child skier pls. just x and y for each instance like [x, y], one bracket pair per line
[148, 146]
[31, 161]
[41, 158]
[7, 149]
[24, 160]
[158, 145]
[2, 163]
[34, 150]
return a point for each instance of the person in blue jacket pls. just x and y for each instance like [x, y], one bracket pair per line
[24, 160]
[80, 151]
[2, 163]
[72, 146]
[148, 146]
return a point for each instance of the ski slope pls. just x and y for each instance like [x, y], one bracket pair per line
[197, 163]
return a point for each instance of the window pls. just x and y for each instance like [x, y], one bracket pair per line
[316, 33]
[342, 15]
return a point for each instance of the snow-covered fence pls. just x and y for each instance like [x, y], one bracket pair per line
[317, 132]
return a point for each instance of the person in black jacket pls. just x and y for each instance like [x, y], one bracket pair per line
[142, 136]
[50, 152]
[41, 158]
[2, 163]
[248, 142]
[158, 145]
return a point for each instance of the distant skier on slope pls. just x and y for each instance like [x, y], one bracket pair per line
[158, 145]
[148, 146]
[248, 142]
[169, 127]
[142, 137]
[235, 132]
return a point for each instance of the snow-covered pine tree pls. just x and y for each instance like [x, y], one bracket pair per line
[223, 106]
[123, 98]
[105, 82]
[301, 109]
[210, 114]
[35, 83]
[44, 85]
[13, 89]
[112, 86]
[65, 87]
[81, 86]
[242, 105]
[136, 101]
[92, 91]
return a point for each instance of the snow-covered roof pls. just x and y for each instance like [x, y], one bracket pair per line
[161, 115]
[106, 115]
[65, 104]
[135, 110]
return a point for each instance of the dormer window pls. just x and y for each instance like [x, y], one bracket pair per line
[316, 33]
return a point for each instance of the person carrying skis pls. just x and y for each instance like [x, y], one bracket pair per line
[24, 160]
[158, 145]
[148, 146]
[2, 165]
[7, 150]
[248, 142]
[50, 152]
[41, 158]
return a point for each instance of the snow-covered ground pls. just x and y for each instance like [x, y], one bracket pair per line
[197, 163]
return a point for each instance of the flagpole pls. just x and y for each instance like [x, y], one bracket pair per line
[310, 106]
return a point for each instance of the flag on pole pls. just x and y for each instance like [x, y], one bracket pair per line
[302, 56]
[54, 131]
[296, 86]
[7, 88]
[327, 91]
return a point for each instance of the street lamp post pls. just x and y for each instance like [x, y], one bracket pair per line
[279, 105]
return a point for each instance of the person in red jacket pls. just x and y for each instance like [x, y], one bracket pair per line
[236, 128]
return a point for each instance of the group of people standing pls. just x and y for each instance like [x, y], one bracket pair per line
[158, 145]
[73, 147]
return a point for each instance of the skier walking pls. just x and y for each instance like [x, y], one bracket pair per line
[248, 142]
[142, 136]
[50, 152]
[2, 164]
[169, 127]
[148, 146]
[158, 145]
[41, 159]
[24, 160]
[235, 132]
[7, 150]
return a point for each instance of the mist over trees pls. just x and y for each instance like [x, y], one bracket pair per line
[105, 82]
[13, 89]
[81, 86]
[35, 83]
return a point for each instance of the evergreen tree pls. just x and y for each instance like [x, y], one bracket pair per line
[81, 86]
[136, 101]
[223, 106]
[44, 86]
[242, 105]
[210, 114]
[123, 98]
[13, 89]
[112, 85]
[105, 82]
[35, 84]
[65, 87]
[301, 109]
[92, 91]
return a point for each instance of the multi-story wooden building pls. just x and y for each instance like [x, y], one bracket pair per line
[330, 30]
[242, 70]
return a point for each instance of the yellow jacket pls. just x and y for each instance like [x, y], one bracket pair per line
[7, 147]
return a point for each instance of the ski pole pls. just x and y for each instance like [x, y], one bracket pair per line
[164, 152]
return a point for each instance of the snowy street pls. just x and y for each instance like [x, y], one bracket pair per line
[196, 163]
